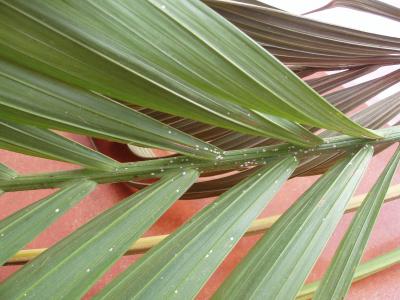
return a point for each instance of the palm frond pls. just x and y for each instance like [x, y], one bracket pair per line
[188, 257]
[80, 259]
[279, 263]
[150, 66]
[338, 278]
[208, 97]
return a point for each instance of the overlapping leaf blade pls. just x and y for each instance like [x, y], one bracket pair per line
[44, 143]
[112, 48]
[30, 98]
[260, 225]
[346, 100]
[24, 225]
[374, 116]
[125, 85]
[280, 262]
[307, 45]
[353, 96]
[144, 66]
[371, 6]
[231, 160]
[70, 267]
[325, 83]
[303, 33]
[181, 264]
[337, 279]
[285, 130]
[6, 172]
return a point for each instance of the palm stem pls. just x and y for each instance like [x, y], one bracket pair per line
[229, 160]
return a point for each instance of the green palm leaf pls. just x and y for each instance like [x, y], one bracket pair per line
[23, 226]
[30, 98]
[70, 267]
[180, 265]
[137, 63]
[6, 173]
[216, 84]
[44, 143]
[280, 262]
[228, 161]
[338, 278]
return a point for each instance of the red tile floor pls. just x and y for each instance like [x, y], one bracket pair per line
[385, 237]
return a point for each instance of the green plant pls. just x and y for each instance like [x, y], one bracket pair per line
[177, 75]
